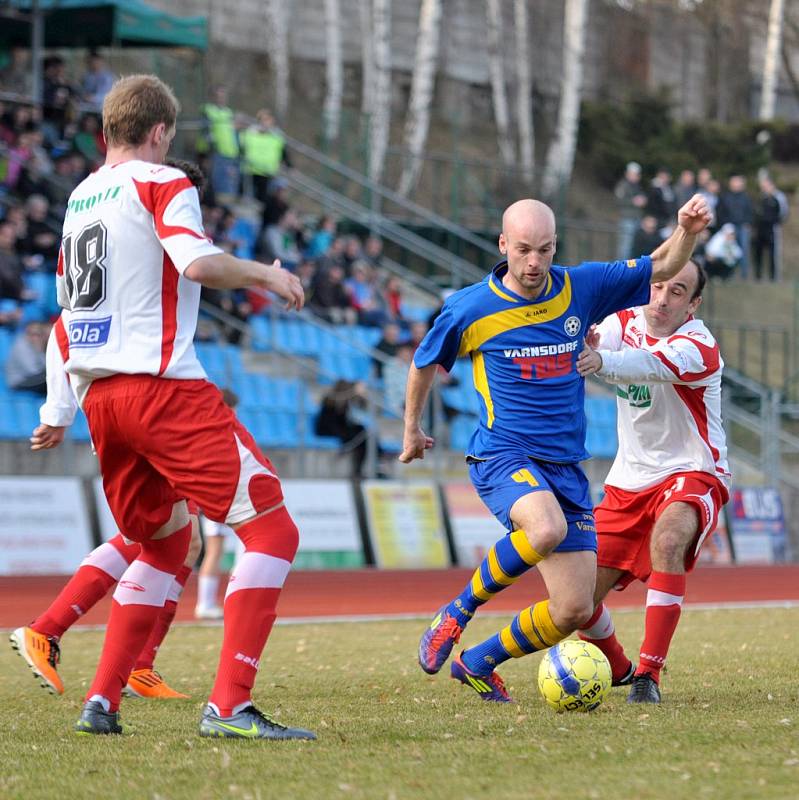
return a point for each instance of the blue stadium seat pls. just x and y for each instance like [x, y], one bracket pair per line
[601, 441]
[460, 431]
[80, 428]
[8, 418]
[261, 334]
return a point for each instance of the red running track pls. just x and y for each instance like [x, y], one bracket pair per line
[369, 592]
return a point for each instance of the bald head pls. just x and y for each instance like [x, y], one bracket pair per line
[528, 242]
[528, 219]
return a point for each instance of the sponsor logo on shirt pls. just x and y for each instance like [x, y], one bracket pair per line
[632, 263]
[636, 396]
[89, 332]
[78, 205]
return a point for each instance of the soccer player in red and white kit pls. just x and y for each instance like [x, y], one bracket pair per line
[670, 477]
[39, 642]
[133, 258]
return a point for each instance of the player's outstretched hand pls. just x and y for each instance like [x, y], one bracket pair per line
[695, 215]
[414, 443]
[592, 338]
[589, 361]
[45, 437]
[286, 285]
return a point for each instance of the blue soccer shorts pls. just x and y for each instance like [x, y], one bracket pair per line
[502, 478]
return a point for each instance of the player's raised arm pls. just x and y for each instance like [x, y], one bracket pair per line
[673, 254]
[224, 271]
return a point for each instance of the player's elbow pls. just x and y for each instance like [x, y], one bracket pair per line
[206, 270]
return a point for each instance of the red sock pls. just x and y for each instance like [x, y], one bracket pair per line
[100, 570]
[162, 624]
[663, 606]
[250, 603]
[138, 600]
[601, 631]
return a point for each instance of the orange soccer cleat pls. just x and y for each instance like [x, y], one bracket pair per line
[148, 683]
[42, 654]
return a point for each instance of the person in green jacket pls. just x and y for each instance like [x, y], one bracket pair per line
[263, 149]
[222, 141]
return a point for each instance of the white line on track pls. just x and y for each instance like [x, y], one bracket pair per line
[733, 606]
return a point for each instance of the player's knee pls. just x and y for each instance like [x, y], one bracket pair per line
[274, 534]
[167, 554]
[547, 536]
[668, 550]
[571, 613]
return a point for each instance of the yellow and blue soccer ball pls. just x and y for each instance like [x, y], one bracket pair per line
[574, 676]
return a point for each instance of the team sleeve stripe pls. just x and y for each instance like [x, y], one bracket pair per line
[62, 339]
[710, 359]
[155, 197]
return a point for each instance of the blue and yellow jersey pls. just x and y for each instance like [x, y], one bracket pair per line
[524, 352]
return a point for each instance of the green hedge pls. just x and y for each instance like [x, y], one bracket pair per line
[643, 130]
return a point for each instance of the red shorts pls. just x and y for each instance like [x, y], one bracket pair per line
[160, 441]
[624, 521]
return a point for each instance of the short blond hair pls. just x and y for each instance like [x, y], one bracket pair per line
[134, 105]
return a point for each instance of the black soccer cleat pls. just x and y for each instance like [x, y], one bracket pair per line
[627, 678]
[645, 690]
[249, 723]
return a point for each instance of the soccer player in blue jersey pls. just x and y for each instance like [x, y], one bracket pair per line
[523, 327]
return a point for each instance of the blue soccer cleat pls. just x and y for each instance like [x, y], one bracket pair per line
[438, 640]
[490, 687]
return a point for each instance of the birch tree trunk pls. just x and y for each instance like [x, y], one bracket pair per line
[367, 57]
[334, 71]
[771, 67]
[524, 107]
[381, 113]
[417, 121]
[560, 158]
[277, 13]
[496, 68]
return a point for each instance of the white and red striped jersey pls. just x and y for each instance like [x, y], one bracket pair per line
[668, 399]
[130, 232]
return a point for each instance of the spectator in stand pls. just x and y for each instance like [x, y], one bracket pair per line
[373, 251]
[735, 208]
[723, 254]
[661, 201]
[364, 295]
[89, 140]
[17, 77]
[277, 203]
[771, 211]
[686, 187]
[647, 238]
[38, 166]
[96, 82]
[58, 99]
[388, 344]
[222, 142]
[392, 294]
[395, 377]
[631, 200]
[280, 241]
[60, 184]
[418, 331]
[710, 189]
[306, 272]
[17, 120]
[26, 363]
[41, 243]
[322, 238]
[353, 251]
[19, 154]
[330, 300]
[263, 148]
[335, 420]
[12, 290]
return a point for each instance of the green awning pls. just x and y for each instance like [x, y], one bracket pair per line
[93, 23]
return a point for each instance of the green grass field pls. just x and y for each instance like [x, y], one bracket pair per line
[728, 728]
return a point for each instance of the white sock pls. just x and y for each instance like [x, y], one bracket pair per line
[103, 701]
[207, 590]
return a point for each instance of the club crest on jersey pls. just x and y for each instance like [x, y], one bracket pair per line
[572, 326]
[89, 332]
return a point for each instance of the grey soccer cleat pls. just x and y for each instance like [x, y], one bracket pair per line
[95, 720]
[645, 690]
[250, 723]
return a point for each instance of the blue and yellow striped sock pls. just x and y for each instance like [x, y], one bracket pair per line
[506, 561]
[533, 629]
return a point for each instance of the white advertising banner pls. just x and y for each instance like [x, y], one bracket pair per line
[44, 526]
[108, 527]
[475, 529]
